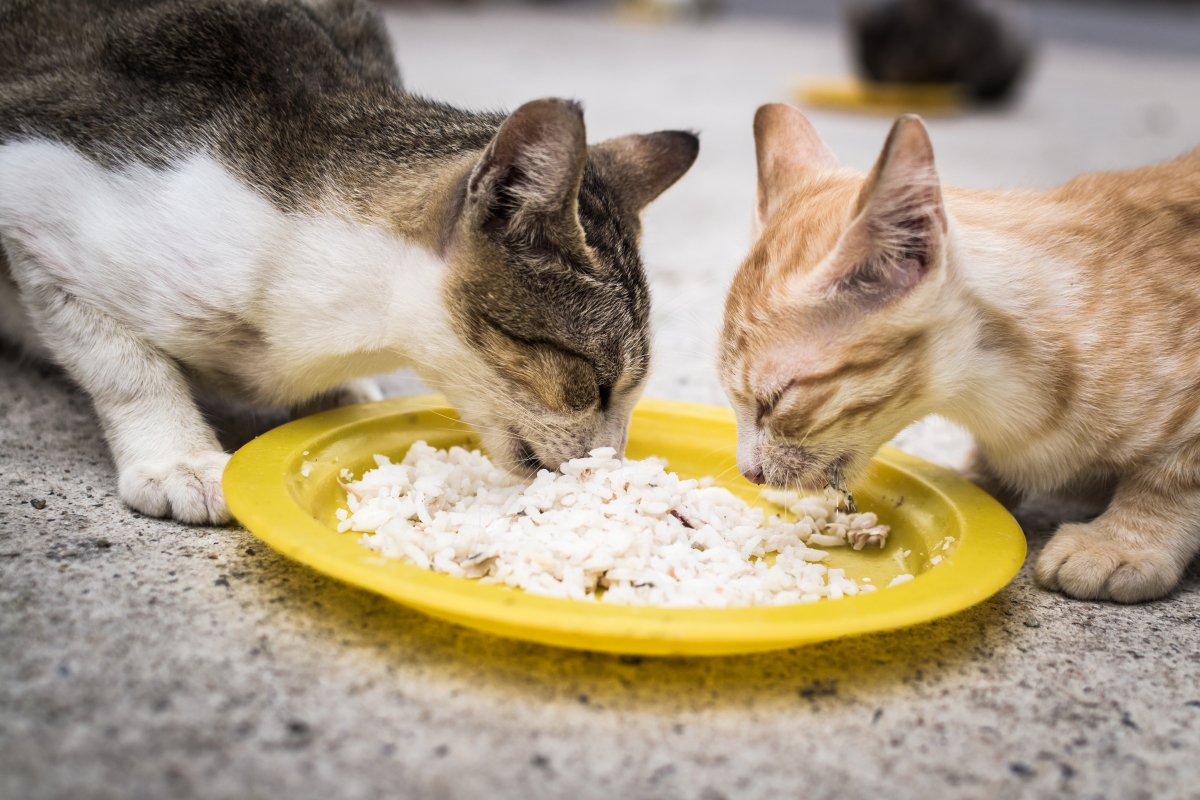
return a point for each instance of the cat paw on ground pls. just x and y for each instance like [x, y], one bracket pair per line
[1086, 561]
[187, 490]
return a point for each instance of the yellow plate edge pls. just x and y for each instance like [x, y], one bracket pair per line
[854, 94]
[255, 484]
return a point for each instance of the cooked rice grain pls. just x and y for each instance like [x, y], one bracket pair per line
[623, 531]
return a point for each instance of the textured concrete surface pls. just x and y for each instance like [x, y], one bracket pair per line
[143, 659]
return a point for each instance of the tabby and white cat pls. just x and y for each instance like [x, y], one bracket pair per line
[238, 197]
[1061, 327]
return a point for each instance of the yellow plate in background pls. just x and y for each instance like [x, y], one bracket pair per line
[851, 94]
[924, 504]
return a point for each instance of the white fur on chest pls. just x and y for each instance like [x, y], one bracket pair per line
[275, 306]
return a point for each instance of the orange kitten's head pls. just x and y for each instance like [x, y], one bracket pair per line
[828, 322]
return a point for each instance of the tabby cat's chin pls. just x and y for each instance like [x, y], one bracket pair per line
[495, 254]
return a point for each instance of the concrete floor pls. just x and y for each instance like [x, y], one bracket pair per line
[140, 658]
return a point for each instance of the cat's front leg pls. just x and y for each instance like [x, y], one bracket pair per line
[168, 460]
[1136, 550]
[980, 472]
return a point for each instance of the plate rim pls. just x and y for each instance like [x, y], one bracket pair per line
[257, 491]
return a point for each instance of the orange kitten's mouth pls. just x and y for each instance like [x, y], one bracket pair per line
[787, 466]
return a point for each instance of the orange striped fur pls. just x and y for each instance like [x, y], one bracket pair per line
[1061, 327]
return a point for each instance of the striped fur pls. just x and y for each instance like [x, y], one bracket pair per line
[1061, 327]
[239, 197]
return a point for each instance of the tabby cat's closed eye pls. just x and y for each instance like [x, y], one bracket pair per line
[170, 227]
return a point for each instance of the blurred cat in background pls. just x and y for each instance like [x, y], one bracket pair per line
[940, 41]
[238, 197]
[1060, 327]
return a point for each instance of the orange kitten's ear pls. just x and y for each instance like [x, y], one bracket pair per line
[900, 226]
[786, 145]
[904, 179]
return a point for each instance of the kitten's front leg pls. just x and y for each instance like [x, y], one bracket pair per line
[168, 459]
[1136, 550]
[980, 472]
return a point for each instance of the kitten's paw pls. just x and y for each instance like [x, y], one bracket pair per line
[1085, 561]
[188, 490]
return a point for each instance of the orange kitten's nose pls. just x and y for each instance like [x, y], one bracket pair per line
[754, 474]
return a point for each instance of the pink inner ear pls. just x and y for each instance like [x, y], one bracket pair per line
[901, 222]
[904, 179]
[908, 273]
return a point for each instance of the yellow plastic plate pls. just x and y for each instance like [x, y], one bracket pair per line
[883, 98]
[924, 504]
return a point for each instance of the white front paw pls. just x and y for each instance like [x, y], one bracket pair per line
[188, 489]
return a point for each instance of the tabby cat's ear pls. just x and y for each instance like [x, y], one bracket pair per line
[900, 223]
[786, 146]
[641, 166]
[529, 175]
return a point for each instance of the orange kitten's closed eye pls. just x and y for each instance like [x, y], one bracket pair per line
[1058, 326]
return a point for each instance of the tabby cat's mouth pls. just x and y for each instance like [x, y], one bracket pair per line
[524, 455]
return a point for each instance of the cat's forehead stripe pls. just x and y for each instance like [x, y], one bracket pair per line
[906, 389]
[878, 355]
[800, 419]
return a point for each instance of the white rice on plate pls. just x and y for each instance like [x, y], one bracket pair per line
[617, 530]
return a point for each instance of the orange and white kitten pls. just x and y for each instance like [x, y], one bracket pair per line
[1061, 327]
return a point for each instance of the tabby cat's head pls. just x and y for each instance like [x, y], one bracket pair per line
[547, 292]
[832, 316]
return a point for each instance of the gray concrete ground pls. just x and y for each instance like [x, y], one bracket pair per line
[144, 659]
